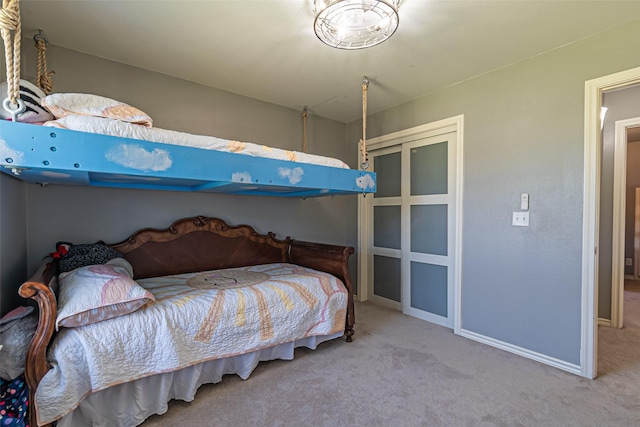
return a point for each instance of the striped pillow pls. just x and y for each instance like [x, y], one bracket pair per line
[31, 95]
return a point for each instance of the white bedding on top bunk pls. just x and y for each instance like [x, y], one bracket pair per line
[113, 127]
[197, 317]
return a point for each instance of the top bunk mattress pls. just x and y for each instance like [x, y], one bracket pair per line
[112, 127]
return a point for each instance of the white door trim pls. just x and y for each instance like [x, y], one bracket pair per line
[590, 228]
[365, 244]
[619, 214]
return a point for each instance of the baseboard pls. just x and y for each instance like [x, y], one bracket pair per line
[630, 277]
[604, 322]
[538, 357]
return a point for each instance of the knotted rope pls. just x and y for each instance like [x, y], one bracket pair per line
[43, 77]
[10, 23]
[363, 142]
[305, 114]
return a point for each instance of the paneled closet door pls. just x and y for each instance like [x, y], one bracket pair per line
[413, 227]
[385, 260]
[429, 223]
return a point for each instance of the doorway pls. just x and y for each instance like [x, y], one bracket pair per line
[594, 90]
[636, 237]
[621, 177]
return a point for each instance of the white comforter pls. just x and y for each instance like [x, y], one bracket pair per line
[113, 127]
[196, 317]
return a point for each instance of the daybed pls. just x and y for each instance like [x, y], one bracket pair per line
[192, 269]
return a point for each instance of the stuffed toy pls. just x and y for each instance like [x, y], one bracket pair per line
[76, 256]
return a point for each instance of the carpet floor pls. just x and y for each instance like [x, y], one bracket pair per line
[402, 371]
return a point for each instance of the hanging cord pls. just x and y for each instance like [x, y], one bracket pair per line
[43, 78]
[363, 142]
[305, 114]
[10, 21]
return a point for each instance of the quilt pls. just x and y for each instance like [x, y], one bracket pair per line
[119, 128]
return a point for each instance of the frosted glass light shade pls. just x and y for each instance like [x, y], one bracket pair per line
[355, 24]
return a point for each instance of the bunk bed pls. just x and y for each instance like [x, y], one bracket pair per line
[50, 155]
[91, 140]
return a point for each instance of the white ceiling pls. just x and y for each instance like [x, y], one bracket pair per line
[266, 49]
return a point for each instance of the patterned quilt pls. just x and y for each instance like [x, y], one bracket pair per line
[112, 127]
[196, 317]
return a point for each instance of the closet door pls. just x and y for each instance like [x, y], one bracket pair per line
[385, 259]
[413, 227]
[429, 227]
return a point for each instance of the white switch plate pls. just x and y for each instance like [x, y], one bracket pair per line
[524, 201]
[521, 219]
[628, 261]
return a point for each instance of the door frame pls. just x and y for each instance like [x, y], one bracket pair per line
[619, 218]
[636, 240]
[365, 240]
[594, 89]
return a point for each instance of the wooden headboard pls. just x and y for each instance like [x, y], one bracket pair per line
[199, 244]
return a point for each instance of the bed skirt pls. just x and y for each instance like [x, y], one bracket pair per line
[129, 404]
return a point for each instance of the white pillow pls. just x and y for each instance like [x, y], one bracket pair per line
[82, 104]
[95, 293]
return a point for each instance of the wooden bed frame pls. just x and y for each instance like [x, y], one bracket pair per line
[188, 245]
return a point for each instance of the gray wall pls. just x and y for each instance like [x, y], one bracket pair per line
[86, 214]
[621, 104]
[523, 133]
[13, 242]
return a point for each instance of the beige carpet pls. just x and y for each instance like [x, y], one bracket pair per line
[401, 371]
[632, 304]
[619, 349]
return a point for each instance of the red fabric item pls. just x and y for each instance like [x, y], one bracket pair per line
[62, 251]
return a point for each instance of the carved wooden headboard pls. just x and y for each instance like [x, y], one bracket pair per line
[199, 244]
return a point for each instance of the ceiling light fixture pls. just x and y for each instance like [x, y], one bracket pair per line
[355, 24]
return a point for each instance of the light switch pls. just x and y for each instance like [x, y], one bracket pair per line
[524, 201]
[520, 219]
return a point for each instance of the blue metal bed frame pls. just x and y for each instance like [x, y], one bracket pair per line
[47, 155]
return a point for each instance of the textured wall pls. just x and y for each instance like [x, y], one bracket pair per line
[13, 243]
[523, 134]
